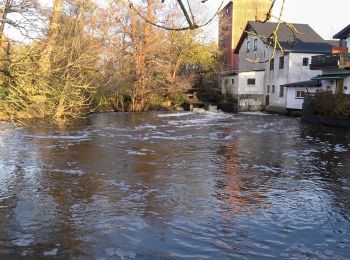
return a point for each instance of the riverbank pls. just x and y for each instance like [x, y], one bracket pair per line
[310, 115]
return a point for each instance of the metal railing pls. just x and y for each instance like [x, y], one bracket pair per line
[339, 60]
[309, 98]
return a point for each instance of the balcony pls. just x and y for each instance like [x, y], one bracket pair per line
[338, 61]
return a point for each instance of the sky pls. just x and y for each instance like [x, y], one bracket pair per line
[325, 17]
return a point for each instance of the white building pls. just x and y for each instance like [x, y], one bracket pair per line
[335, 67]
[280, 83]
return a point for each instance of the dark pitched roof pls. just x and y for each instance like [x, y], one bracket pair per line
[308, 41]
[343, 34]
[335, 43]
[304, 84]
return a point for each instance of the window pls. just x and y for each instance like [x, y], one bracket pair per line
[299, 94]
[272, 64]
[226, 81]
[273, 89]
[305, 61]
[255, 44]
[248, 46]
[281, 63]
[281, 91]
[251, 82]
[268, 89]
[345, 88]
[233, 81]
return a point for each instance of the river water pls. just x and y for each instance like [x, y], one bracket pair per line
[175, 186]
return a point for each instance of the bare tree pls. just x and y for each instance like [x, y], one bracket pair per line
[188, 14]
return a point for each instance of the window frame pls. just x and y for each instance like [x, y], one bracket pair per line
[255, 45]
[281, 64]
[301, 94]
[272, 64]
[251, 80]
[281, 94]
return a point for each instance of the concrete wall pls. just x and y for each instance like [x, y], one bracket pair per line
[251, 97]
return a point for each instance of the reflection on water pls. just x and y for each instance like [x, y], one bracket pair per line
[173, 186]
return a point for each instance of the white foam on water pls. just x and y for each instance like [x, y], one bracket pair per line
[74, 172]
[52, 252]
[23, 241]
[174, 138]
[256, 113]
[232, 135]
[175, 114]
[340, 149]
[60, 137]
[118, 252]
[131, 152]
[146, 126]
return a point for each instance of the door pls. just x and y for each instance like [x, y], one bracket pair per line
[267, 100]
[340, 86]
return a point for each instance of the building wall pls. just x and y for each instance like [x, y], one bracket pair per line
[292, 101]
[251, 97]
[347, 85]
[257, 88]
[276, 78]
[348, 43]
[229, 85]
[226, 36]
[247, 10]
[260, 54]
[293, 71]
[333, 83]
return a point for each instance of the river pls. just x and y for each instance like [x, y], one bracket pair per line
[175, 186]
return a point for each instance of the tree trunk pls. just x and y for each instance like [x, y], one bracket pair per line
[45, 61]
[3, 19]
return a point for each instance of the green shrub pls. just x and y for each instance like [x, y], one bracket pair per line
[329, 104]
